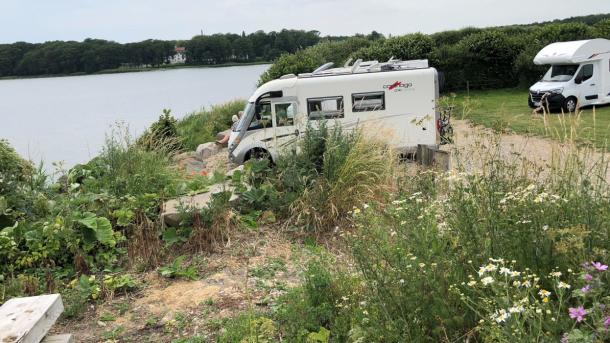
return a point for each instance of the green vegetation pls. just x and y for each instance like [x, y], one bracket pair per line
[200, 127]
[507, 109]
[94, 55]
[475, 58]
[494, 256]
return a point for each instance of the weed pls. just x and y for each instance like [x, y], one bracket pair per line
[177, 270]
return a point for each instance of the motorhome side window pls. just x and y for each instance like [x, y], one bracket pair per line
[325, 108]
[366, 102]
[586, 72]
[284, 114]
[262, 117]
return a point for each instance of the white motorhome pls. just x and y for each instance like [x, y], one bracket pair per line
[579, 75]
[394, 101]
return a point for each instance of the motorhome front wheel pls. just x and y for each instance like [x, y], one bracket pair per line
[569, 105]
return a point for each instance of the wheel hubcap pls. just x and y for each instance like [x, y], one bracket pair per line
[571, 105]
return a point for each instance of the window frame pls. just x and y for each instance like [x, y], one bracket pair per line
[383, 102]
[327, 115]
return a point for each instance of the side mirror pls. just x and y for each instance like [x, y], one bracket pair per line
[578, 79]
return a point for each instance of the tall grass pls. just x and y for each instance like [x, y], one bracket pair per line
[201, 127]
[333, 173]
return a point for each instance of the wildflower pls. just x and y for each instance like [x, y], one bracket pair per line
[577, 313]
[501, 316]
[393, 233]
[413, 258]
[471, 283]
[421, 265]
[515, 274]
[526, 284]
[544, 294]
[516, 283]
[539, 310]
[588, 277]
[607, 322]
[516, 309]
[585, 289]
[365, 206]
[402, 281]
[356, 210]
[599, 266]
[555, 274]
[487, 280]
[505, 271]
[563, 285]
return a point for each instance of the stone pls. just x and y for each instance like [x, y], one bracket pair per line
[222, 134]
[171, 208]
[207, 150]
[189, 162]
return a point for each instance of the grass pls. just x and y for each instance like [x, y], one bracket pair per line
[507, 109]
[200, 127]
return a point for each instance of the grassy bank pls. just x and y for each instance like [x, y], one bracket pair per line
[506, 109]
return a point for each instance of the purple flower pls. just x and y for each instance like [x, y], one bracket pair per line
[585, 289]
[607, 322]
[588, 277]
[599, 266]
[577, 313]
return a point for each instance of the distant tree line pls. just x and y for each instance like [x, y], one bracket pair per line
[93, 55]
[492, 57]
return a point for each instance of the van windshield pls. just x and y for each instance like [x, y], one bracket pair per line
[244, 121]
[560, 73]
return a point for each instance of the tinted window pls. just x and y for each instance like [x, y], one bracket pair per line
[365, 102]
[587, 72]
[325, 108]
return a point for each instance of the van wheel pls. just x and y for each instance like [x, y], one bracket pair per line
[569, 104]
[259, 154]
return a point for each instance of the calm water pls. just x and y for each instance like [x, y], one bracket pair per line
[67, 118]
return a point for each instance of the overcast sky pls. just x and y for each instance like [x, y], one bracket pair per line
[136, 20]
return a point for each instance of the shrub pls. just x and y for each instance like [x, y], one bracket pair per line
[162, 135]
[339, 171]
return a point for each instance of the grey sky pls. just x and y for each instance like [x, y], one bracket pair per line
[135, 20]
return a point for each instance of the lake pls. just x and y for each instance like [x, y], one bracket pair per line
[67, 118]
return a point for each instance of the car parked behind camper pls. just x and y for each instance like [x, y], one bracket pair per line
[394, 101]
[579, 75]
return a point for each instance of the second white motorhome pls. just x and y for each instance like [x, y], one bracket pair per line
[579, 75]
[395, 101]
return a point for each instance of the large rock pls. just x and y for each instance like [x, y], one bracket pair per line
[171, 208]
[190, 162]
[207, 150]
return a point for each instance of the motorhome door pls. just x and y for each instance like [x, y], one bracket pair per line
[285, 128]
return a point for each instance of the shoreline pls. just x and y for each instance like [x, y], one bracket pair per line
[136, 70]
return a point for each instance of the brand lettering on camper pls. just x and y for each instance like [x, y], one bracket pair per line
[398, 86]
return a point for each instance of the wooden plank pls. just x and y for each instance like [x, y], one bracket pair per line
[65, 338]
[28, 320]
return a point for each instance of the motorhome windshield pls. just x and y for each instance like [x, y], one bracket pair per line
[560, 73]
[245, 119]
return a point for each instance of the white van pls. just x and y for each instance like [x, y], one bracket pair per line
[394, 101]
[579, 75]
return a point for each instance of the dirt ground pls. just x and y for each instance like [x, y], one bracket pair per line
[249, 273]
[475, 144]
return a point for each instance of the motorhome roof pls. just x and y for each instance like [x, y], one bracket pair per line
[360, 67]
[572, 52]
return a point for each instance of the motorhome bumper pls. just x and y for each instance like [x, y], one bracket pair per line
[554, 101]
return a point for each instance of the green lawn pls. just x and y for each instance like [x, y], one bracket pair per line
[506, 109]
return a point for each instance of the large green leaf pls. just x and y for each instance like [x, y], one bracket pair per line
[101, 227]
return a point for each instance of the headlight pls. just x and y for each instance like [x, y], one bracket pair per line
[556, 91]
